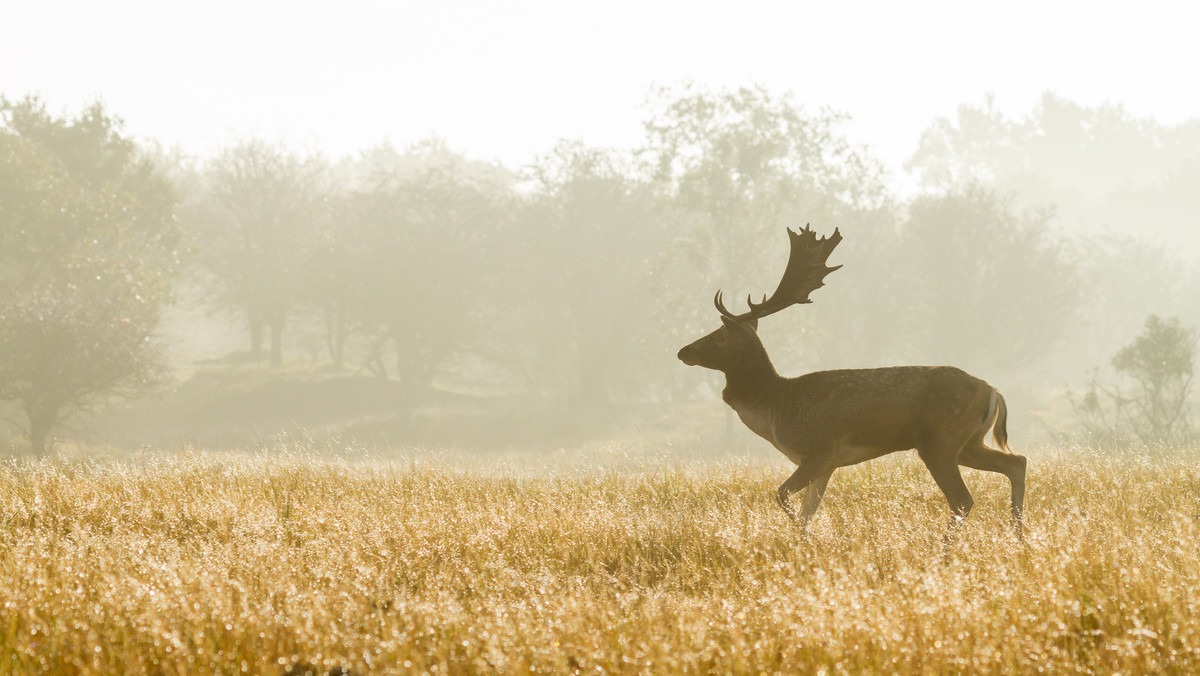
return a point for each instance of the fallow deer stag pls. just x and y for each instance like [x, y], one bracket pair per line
[830, 419]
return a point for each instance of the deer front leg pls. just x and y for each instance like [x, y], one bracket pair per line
[812, 497]
[807, 475]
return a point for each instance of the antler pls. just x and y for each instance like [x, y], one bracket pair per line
[806, 271]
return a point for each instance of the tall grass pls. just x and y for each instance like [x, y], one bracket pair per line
[227, 563]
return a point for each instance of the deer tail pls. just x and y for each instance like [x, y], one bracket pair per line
[1000, 430]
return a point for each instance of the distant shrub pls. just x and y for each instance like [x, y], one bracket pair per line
[1151, 403]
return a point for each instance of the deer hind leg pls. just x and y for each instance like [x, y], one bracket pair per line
[978, 456]
[944, 468]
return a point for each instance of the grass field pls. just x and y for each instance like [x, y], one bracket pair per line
[261, 563]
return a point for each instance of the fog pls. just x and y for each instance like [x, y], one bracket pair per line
[521, 271]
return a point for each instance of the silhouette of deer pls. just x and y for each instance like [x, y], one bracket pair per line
[830, 419]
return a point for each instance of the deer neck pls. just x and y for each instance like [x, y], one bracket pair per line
[751, 386]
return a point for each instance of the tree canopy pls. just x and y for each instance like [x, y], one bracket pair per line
[88, 243]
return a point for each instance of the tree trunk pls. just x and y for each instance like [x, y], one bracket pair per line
[276, 342]
[256, 336]
[376, 362]
[335, 335]
[41, 421]
[414, 366]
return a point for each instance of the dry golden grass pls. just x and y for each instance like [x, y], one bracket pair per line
[228, 563]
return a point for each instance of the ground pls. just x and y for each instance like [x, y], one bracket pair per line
[604, 559]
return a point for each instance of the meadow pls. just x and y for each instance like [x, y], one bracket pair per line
[293, 561]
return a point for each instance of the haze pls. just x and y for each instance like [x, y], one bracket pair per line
[388, 337]
[424, 221]
[504, 81]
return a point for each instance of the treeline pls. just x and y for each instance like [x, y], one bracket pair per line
[578, 277]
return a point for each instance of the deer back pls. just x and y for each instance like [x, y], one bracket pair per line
[888, 409]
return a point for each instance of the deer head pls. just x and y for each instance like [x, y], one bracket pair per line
[737, 340]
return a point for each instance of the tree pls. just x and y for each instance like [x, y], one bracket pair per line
[744, 162]
[425, 235]
[258, 215]
[1159, 364]
[1125, 276]
[1151, 406]
[984, 284]
[738, 166]
[583, 280]
[333, 283]
[1123, 186]
[1101, 167]
[88, 243]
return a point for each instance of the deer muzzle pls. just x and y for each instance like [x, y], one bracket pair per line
[687, 355]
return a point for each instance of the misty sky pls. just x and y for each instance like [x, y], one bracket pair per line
[504, 80]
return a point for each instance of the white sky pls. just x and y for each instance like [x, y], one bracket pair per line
[504, 80]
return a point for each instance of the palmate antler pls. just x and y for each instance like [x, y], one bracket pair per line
[806, 271]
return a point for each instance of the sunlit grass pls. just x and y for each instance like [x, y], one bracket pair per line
[235, 563]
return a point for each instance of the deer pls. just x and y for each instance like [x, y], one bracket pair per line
[829, 419]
